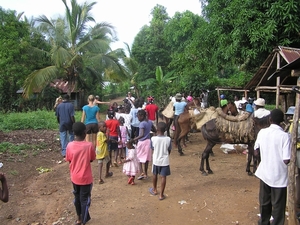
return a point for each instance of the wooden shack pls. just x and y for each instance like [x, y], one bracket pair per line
[278, 74]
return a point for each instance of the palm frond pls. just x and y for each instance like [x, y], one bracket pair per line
[60, 56]
[39, 79]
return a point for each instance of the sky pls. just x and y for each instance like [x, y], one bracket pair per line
[127, 16]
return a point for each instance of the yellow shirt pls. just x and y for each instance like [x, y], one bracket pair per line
[290, 131]
[101, 147]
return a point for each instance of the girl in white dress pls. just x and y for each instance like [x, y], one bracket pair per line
[131, 163]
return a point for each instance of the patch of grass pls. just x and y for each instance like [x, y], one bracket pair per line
[270, 107]
[14, 172]
[40, 119]
[21, 149]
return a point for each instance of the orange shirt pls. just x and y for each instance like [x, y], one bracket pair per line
[80, 154]
[151, 110]
[112, 125]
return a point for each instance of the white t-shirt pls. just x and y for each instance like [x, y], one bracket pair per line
[127, 118]
[275, 146]
[261, 112]
[132, 100]
[161, 146]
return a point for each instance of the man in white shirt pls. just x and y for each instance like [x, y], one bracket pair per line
[274, 147]
[130, 98]
[260, 111]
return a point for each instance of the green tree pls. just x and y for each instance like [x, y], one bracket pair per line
[78, 55]
[17, 56]
[245, 32]
[162, 81]
[132, 70]
[149, 48]
[186, 35]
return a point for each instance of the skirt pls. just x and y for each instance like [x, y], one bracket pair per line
[143, 150]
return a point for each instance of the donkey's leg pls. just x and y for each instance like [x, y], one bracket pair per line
[178, 143]
[256, 158]
[249, 159]
[169, 122]
[205, 158]
[209, 171]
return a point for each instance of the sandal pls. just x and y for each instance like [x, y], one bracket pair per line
[116, 164]
[109, 174]
[101, 181]
[141, 177]
[77, 222]
[162, 198]
[151, 191]
[130, 180]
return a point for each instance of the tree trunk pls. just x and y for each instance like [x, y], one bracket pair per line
[292, 167]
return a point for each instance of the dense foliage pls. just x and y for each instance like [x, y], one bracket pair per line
[17, 56]
[184, 53]
[224, 47]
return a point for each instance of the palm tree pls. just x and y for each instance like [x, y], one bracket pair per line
[131, 69]
[77, 53]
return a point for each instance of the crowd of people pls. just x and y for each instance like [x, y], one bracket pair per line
[131, 135]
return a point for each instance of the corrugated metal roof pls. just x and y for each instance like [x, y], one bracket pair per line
[62, 86]
[59, 84]
[289, 54]
[279, 63]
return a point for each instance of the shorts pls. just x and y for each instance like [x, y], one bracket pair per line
[113, 143]
[92, 128]
[161, 170]
[105, 160]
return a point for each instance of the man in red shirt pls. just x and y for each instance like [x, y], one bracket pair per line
[152, 110]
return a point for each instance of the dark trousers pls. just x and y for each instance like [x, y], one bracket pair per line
[134, 131]
[82, 201]
[272, 201]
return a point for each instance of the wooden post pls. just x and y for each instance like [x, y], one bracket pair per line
[218, 91]
[293, 166]
[277, 91]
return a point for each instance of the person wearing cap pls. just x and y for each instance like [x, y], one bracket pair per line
[223, 101]
[260, 110]
[245, 108]
[274, 146]
[178, 108]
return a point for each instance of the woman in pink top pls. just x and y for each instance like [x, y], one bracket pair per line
[80, 154]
